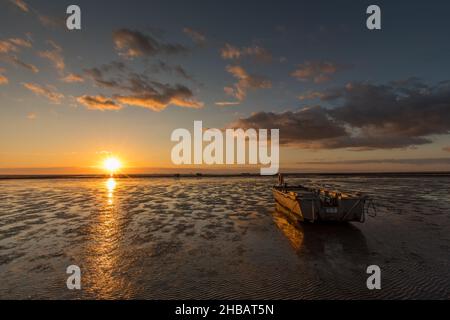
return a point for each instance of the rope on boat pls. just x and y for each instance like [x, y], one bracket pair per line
[370, 204]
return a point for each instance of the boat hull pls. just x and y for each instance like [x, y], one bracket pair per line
[308, 205]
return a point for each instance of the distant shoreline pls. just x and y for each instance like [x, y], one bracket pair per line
[210, 175]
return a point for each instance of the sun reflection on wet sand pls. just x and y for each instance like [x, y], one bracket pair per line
[110, 186]
[103, 253]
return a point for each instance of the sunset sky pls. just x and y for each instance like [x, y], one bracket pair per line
[344, 98]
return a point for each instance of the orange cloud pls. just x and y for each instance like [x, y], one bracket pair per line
[48, 92]
[20, 42]
[16, 61]
[3, 80]
[227, 103]
[55, 56]
[72, 77]
[196, 36]
[21, 5]
[31, 116]
[246, 81]
[232, 52]
[318, 71]
[158, 102]
[98, 102]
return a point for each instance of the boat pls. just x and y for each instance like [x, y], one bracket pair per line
[316, 204]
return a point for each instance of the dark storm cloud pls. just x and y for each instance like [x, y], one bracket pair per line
[368, 116]
[302, 127]
[132, 43]
[412, 109]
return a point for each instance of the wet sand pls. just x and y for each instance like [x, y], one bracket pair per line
[219, 238]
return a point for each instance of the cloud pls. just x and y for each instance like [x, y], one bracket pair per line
[368, 116]
[21, 5]
[171, 69]
[302, 128]
[413, 161]
[316, 71]
[50, 22]
[327, 95]
[98, 102]
[31, 116]
[138, 90]
[227, 103]
[21, 42]
[446, 149]
[161, 98]
[16, 61]
[9, 49]
[197, 37]
[3, 80]
[13, 45]
[245, 82]
[72, 78]
[45, 20]
[132, 44]
[55, 56]
[48, 92]
[230, 52]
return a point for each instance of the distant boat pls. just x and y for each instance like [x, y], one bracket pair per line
[316, 204]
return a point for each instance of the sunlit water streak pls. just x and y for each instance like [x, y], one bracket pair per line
[218, 238]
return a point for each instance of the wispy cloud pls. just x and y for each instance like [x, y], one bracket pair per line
[98, 102]
[54, 55]
[196, 36]
[21, 5]
[316, 71]
[3, 79]
[326, 95]
[132, 44]
[231, 52]
[45, 20]
[72, 78]
[11, 47]
[31, 116]
[14, 45]
[17, 62]
[48, 92]
[227, 103]
[245, 82]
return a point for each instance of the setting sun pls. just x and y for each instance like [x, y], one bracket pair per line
[112, 164]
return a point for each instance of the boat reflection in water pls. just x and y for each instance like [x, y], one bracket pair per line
[332, 240]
